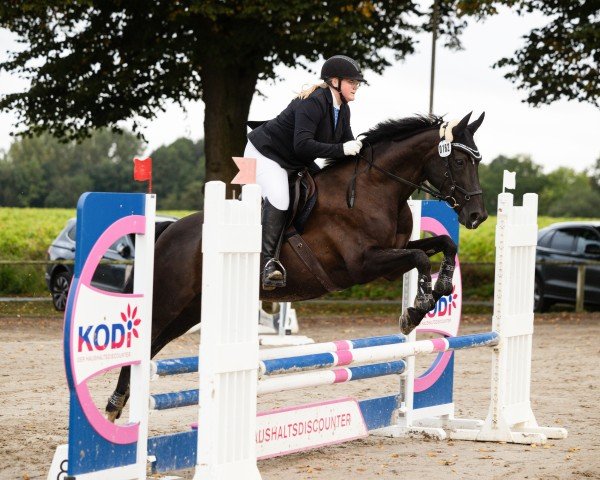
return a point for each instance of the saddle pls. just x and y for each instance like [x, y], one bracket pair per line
[303, 196]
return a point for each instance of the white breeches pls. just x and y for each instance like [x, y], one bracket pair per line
[271, 177]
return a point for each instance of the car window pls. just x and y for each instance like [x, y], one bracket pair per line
[115, 245]
[544, 240]
[585, 236]
[563, 240]
[72, 232]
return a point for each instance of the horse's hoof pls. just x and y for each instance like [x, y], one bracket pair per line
[406, 325]
[443, 286]
[112, 416]
[115, 405]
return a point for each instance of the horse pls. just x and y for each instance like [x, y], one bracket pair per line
[355, 237]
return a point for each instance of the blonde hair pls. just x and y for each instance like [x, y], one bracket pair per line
[306, 91]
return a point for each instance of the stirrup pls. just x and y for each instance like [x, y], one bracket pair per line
[270, 284]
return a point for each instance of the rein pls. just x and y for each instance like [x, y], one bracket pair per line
[437, 193]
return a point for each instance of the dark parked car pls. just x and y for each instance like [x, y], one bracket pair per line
[109, 277]
[561, 248]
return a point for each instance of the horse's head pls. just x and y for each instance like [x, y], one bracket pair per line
[454, 170]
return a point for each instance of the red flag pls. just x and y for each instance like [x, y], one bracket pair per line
[142, 169]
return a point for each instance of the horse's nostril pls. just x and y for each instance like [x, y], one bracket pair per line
[475, 219]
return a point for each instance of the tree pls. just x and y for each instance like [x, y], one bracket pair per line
[530, 178]
[93, 64]
[569, 193]
[179, 174]
[558, 60]
[594, 174]
[43, 172]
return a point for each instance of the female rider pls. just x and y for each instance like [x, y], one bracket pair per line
[316, 124]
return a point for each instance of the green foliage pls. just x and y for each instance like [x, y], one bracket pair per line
[93, 64]
[126, 61]
[43, 172]
[530, 178]
[594, 174]
[562, 192]
[179, 174]
[559, 59]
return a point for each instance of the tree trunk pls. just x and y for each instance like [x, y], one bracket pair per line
[227, 92]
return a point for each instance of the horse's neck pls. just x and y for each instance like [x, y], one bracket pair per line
[405, 160]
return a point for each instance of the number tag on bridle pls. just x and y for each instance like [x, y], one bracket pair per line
[444, 148]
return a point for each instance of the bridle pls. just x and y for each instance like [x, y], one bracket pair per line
[455, 186]
[434, 192]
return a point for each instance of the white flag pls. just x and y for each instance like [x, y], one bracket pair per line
[510, 180]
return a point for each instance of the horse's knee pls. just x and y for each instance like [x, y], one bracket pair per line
[449, 246]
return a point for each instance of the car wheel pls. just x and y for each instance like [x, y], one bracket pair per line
[540, 303]
[59, 287]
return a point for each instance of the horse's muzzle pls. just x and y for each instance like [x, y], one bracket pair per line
[472, 219]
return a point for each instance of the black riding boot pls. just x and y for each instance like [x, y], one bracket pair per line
[273, 223]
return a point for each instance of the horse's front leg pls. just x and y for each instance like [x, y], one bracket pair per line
[390, 261]
[431, 246]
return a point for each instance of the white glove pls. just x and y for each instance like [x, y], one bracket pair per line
[352, 147]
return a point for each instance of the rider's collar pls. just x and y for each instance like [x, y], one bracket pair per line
[336, 103]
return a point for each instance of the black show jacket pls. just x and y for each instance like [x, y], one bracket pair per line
[304, 131]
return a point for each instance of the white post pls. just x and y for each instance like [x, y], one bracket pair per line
[229, 335]
[143, 282]
[409, 292]
[510, 417]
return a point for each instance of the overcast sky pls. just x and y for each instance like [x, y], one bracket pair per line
[555, 135]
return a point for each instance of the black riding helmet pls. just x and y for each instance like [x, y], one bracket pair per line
[342, 67]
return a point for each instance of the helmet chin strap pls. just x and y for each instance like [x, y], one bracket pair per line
[338, 89]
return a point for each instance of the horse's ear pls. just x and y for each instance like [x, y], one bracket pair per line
[476, 124]
[460, 127]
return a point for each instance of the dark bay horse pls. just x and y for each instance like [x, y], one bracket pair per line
[353, 245]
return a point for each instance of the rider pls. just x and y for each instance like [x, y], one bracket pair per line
[316, 124]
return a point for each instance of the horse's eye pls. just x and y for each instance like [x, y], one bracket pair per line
[460, 162]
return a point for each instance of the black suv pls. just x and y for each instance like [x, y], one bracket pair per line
[109, 277]
[561, 248]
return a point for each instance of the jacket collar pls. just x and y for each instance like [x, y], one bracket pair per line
[336, 104]
[330, 99]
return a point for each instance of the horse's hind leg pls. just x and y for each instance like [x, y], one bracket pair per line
[189, 317]
[118, 399]
[431, 246]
